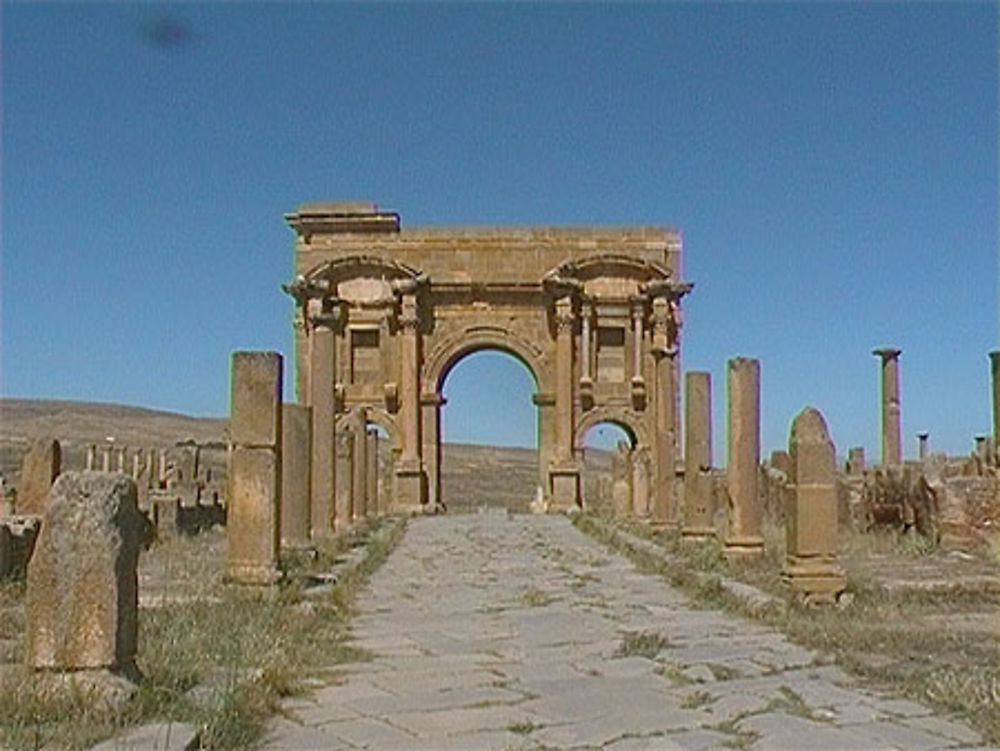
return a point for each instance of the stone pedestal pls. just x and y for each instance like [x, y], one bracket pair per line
[252, 525]
[82, 594]
[744, 538]
[296, 439]
[698, 497]
[892, 443]
[811, 568]
[564, 486]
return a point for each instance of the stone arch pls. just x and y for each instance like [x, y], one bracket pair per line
[449, 352]
[610, 264]
[349, 267]
[626, 419]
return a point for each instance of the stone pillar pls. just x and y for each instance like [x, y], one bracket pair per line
[892, 447]
[296, 437]
[120, 459]
[430, 405]
[744, 538]
[698, 503]
[39, 469]
[136, 464]
[253, 520]
[637, 337]
[106, 457]
[82, 594]
[640, 484]
[161, 469]
[564, 475]
[344, 492]
[360, 469]
[411, 486]
[371, 469]
[995, 382]
[90, 461]
[856, 460]
[586, 371]
[811, 516]
[922, 445]
[664, 511]
[322, 400]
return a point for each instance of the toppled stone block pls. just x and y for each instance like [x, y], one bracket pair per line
[17, 542]
[82, 597]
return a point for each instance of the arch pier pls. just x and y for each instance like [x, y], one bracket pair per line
[382, 313]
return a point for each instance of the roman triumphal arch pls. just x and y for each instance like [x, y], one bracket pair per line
[382, 314]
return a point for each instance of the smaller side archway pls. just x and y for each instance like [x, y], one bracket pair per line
[615, 467]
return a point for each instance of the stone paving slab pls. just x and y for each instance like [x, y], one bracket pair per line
[517, 633]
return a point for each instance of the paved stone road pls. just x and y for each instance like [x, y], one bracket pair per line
[519, 632]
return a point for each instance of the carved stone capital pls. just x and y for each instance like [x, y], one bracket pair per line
[887, 353]
[667, 288]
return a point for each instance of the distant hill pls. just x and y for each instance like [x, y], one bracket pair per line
[94, 422]
[472, 475]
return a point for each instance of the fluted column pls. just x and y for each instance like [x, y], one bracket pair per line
[892, 443]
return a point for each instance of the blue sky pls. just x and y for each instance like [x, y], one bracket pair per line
[833, 168]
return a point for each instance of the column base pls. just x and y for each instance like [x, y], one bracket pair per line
[411, 488]
[252, 573]
[697, 533]
[564, 484]
[740, 549]
[815, 581]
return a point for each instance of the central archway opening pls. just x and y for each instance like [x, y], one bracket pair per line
[489, 452]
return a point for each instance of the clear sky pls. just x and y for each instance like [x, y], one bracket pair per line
[833, 168]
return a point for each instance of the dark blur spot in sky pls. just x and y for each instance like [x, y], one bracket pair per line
[166, 32]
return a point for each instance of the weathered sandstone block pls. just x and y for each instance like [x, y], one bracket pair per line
[811, 517]
[39, 470]
[82, 590]
[296, 434]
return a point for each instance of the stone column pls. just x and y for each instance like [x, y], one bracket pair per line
[371, 482]
[637, 337]
[892, 447]
[296, 438]
[344, 492]
[430, 405]
[564, 475]
[90, 461]
[410, 484]
[664, 511]
[995, 377]
[811, 516]
[744, 538]
[161, 469]
[253, 519]
[322, 384]
[922, 445]
[640, 484]
[106, 457]
[698, 506]
[136, 464]
[586, 373]
[856, 460]
[360, 468]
